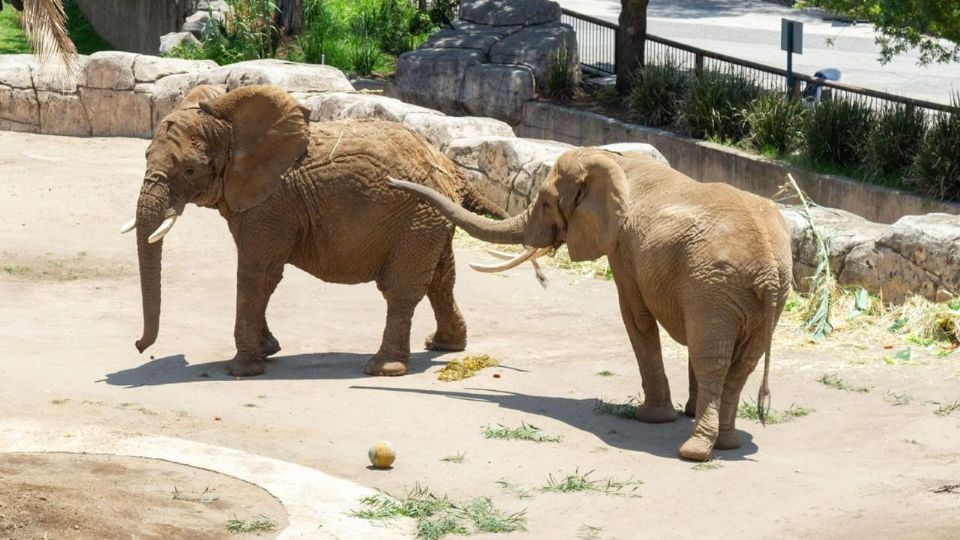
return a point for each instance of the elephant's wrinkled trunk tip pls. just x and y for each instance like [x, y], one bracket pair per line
[143, 343]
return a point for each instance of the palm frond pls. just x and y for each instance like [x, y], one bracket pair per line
[46, 25]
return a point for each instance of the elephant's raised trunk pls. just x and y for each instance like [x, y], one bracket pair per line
[152, 207]
[508, 231]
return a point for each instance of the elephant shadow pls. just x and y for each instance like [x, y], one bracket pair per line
[330, 365]
[656, 439]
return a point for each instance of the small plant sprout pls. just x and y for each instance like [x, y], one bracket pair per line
[946, 409]
[578, 482]
[514, 489]
[748, 411]
[897, 399]
[605, 373]
[262, 523]
[458, 458]
[832, 380]
[526, 432]
[711, 465]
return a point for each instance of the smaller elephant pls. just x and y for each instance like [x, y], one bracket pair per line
[710, 263]
[312, 196]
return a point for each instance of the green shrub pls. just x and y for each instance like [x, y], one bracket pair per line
[714, 104]
[835, 132]
[774, 123]
[246, 33]
[321, 39]
[561, 77]
[893, 142]
[657, 93]
[366, 57]
[936, 169]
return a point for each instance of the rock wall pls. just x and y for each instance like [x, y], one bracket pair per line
[491, 60]
[128, 94]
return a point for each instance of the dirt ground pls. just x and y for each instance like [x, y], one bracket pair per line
[113, 497]
[857, 466]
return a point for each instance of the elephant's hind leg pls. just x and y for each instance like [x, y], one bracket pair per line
[711, 353]
[394, 354]
[743, 365]
[451, 333]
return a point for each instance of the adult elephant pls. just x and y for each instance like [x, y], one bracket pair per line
[710, 263]
[314, 196]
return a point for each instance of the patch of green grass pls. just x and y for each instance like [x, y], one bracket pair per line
[458, 458]
[606, 373]
[16, 270]
[749, 411]
[946, 409]
[577, 482]
[526, 432]
[82, 32]
[262, 523]
[13, 40]
[59, 401]
[589, 532]
[437, 516]
[898, 399]
[711, 465]
[514, 489]
[832, 380]
[624, 410]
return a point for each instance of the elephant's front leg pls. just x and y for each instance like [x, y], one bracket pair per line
[645, 338]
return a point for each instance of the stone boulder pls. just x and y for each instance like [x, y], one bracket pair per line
[67, 114]
[931, 241]
[171, 41]
[152, 68]
[627, 148]
[441, 130]
[111, 70]
[538, 48]
[510, 12]
[466, 35]
[341, 105]
[433, 77]
[508, 170]
[497, 90]
[290, 76]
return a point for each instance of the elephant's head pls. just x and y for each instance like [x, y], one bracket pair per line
[219, 150]
[580, 203]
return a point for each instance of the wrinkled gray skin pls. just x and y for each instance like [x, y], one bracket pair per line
[710, 263]
[313, 196]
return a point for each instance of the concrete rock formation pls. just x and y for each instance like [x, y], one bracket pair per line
[494, 59]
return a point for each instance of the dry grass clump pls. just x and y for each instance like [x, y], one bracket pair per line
[925, 321]
[463, 368]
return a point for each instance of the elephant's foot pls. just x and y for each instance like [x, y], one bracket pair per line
[245, 365]
[269, 345]
[727, 440]
[656, 414]
[691, 408]
[697, 449]
[382, 365]
[438, 341]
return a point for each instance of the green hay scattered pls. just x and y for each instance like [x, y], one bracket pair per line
[526, 432]
[466, 367]
[749, 411]
[832, 380]
[261, 524]
[623, 410]
[578, 482]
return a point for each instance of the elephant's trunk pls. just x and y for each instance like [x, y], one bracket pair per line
[152, 208]
[508, 231]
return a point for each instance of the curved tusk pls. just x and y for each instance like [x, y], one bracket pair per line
[163, 229]
[520, 258]
[502, 254]
[129, 226]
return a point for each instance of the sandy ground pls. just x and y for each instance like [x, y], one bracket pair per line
[856, 467]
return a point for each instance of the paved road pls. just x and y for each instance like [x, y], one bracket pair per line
[751, 29]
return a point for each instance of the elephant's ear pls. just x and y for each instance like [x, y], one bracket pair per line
[592, 196]
[200, 94]
[269, 133]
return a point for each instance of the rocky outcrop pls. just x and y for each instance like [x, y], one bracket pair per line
[493, 59]
[915, 255]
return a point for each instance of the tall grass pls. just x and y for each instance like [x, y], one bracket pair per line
[657, 92]
[714, 104]
[835, 132]
[774, 123]
[561, 75]
[936, 169]
[893, 143]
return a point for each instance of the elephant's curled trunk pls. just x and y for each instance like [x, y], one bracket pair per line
[508, 231]
[152, 208]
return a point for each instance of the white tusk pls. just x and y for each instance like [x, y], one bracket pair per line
[502, 254]
[163, 229]
[520, 258]
[129, 226]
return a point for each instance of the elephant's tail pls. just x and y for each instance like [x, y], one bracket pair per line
[771, 303]
[478, 203]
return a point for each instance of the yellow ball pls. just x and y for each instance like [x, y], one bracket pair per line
[382, 454]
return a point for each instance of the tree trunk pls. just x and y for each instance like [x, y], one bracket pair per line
[630, 41]
[290, 16]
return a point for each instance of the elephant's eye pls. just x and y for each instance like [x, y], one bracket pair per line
[189, 171]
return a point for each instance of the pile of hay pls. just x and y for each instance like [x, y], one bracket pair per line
[468, 366]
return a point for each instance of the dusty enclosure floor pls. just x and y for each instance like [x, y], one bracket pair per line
[857, 465]
[111, 497]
